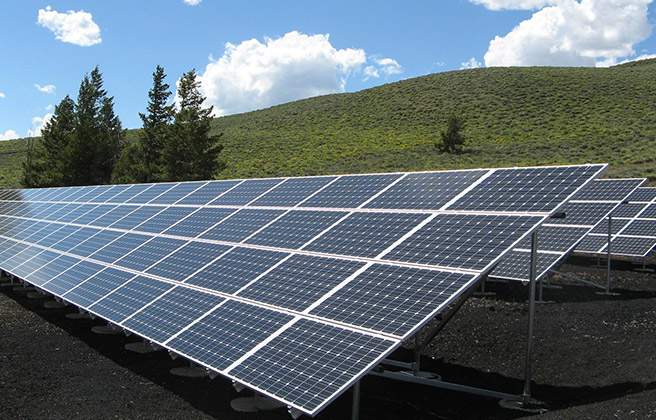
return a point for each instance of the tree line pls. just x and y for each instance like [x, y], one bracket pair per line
[84, 142]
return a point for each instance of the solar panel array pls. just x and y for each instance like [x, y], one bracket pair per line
[294, 287]
[633, 228]
[586, 211]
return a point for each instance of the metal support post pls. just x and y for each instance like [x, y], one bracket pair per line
[608, 258]
[526, 395]
[355, 410]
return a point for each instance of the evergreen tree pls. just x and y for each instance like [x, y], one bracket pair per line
[452, 139]
[98, 135]
[47, 162]
[191, 153]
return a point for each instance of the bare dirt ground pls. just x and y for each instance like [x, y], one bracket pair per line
[594, 358]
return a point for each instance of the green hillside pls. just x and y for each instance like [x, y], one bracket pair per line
[513, 116]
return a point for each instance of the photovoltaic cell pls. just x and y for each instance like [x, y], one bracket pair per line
[150, 193]
[295, 228]
[171, 313]
[149, 253]
[292, 191]
[71, 277]
[208, 192]
[129, 298]
[391, 299]
[350, 191]
[227, 333]
[187, 260]
[198, 222]
[97, 287]
[317, 361]
[241, 225]
[425, 191]
[366, 234]
[299, 281]
[119, 247]
[235, 269]
[164, 219]
[245, 192]
[178, 192]
[441, 241]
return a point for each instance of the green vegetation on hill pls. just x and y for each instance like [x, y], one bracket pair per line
[513, 117]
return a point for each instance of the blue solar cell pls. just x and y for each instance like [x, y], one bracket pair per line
[556, 238]
[641, 227]
[119, 247]
[643, 195]
[592, 243]
[41, 209]
[129, 298]
[245, 192]
[93, 193]
[187, 260]
[58, 212]
[128, 193]
[76, 213]
[587, 214]
[523, 189]
[93, 214]
[178, 192]
[97, 287]
[227, 333]
[198, 222]
[517, 264]
[632, 246]
[171, 313]
[425, 191]
[295, 228]
[95, 242]
[74, 239]
[462, 241]
[56, 234]
[164, 219]
[235, 269]
[241, 225]
[154, 191]
[366, 234]
[350, 191]
[51, 270]
[112, 215]
[149, 253]
[616, 226]
[316, 361]
[208, 192]
[292, 191]
[628, 210]
[137, 217]
[392, 299]
[608, 189]
[73, 276]
[110, 193]
[18, 258]
[649, 213]
[25, 270]
[300, 281]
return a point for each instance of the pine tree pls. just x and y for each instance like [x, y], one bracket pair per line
[47, 162]
[98, 135]
[191, 153]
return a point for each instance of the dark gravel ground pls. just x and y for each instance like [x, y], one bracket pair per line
[594, 358]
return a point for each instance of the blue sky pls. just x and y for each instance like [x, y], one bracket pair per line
[254, 54]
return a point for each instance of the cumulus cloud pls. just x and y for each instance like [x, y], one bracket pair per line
[386, 66]
[514, 4]
[473, 63]
[45, 89]
[37, 125]
[192, 2]
[9, 135]
[2, 95]
[572, 33]
[255, 75]
[73, 27]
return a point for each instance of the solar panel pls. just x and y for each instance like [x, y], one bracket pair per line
[633, 228]
[585, 212]
[295, 287]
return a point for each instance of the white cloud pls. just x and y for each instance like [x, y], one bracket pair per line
[192, 2]
[2, 95]
[472, 63]
[572, 33]
[37, 125]
[255, 75]
[46, 89]
[514, 4]
[387, 66]
[74, 27]
[9, 135]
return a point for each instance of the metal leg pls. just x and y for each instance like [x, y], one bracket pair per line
[526, 395]
[355, 410]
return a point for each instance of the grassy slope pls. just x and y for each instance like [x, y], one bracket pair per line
[514, 117]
